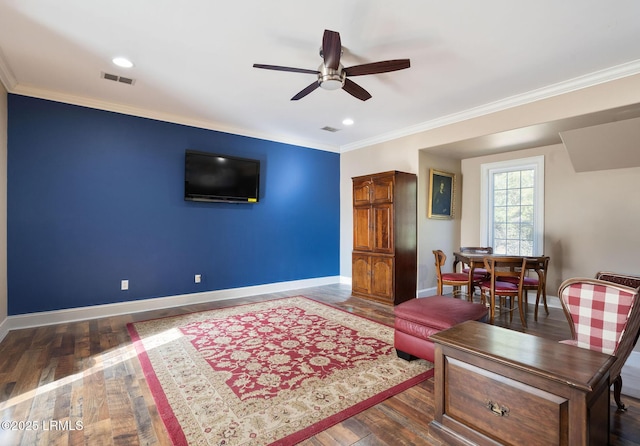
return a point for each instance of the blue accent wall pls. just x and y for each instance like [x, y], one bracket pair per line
[95, 197]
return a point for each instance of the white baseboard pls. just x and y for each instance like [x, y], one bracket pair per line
[426, 292]
[631, 375]
[552, 301]
[97, 311]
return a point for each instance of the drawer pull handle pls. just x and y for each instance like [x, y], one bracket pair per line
[497, 410]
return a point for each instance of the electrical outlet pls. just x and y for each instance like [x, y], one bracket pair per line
[124, 285]
[198, 278]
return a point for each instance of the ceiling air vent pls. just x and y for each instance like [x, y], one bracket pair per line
[330, 129]
[116, 78]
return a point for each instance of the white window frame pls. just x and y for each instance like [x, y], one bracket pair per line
[486, 197]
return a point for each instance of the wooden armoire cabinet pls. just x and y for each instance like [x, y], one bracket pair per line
[384, 259]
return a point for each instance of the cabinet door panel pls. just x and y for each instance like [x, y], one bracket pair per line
[383, 228]
[382, 277]
[362, 229]
[361, 192]
[383, 190]
[360, 274]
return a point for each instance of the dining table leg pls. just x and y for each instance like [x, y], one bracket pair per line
[492, 306]
[470, 287]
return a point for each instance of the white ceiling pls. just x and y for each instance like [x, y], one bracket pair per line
[193, 59]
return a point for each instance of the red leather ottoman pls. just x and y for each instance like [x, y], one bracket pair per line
[417, 319]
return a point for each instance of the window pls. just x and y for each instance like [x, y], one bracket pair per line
[512, 206]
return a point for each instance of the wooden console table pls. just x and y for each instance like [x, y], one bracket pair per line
[495, 386]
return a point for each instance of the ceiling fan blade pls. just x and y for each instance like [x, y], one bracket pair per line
[355, 90]
[378, 67]
[306, 91]
[331, 49]
[279, 68]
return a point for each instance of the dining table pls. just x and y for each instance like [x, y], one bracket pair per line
[476, 260]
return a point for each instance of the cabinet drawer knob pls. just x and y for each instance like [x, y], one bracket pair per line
[497, 409]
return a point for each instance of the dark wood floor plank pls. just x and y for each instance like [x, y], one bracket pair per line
[99, 433]
[42, 406]
[121, 409]
[94, 396]
[339, 435]
[76, 404]
[27, 370]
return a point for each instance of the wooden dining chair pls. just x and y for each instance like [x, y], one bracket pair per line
[499, 270]
[605, 317]
[457, 280]
[538, 284]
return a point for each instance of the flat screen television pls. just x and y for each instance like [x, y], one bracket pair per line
[213, 177]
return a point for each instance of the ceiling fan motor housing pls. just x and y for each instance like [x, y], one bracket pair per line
[331, 79]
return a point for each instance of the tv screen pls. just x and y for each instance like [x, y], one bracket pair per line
[213, 177]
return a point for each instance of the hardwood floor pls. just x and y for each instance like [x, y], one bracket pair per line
[87, 373]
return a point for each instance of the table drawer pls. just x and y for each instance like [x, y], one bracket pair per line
[506, 410]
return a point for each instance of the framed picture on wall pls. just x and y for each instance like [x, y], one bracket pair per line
[442, 187]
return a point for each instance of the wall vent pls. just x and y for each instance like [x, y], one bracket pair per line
[330, 129]
[116, 78]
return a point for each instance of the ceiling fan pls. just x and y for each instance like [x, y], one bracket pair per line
[332, 75]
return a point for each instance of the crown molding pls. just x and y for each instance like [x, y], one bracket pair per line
[578, 83]
[6, 75]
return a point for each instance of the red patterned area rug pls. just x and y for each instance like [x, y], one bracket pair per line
[268, 373]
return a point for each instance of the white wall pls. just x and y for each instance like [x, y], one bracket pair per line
[432, 233]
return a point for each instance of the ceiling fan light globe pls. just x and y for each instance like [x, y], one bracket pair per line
[331, 84]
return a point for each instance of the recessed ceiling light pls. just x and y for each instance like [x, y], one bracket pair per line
[122, 62]
[348, 121]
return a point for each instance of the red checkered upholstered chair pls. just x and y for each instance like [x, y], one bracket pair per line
[605, 317]
[457, 280]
